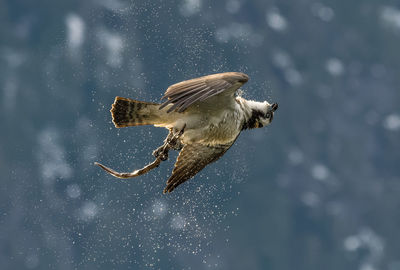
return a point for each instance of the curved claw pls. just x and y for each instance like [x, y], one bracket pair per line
[161, 153]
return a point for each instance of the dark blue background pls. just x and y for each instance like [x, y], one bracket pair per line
[317, 189]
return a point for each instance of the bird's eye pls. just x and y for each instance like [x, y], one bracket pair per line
[268, 115]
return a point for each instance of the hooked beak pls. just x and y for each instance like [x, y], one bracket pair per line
[274, 107]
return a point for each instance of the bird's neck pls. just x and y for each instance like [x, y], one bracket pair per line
[251, 112]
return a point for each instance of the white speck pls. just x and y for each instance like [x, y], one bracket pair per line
[334, 66]
[391, 17]
[88, 211]
[319, 172]
[52, 157]
[75, 31]
[310, 199]
[190, 7]
[232, 6]
[392, 122]
[351, 243]
[90, 152]
[114, 45]
[296, 156]
[240, 30]
[159, 209]
[281, 59]
[293, 77]
[367, 266]
[178, 222]
[323, 12]
[276, 21]
[32, 261]
[367, 239]
[73, 191]
[222, 35]
[114, 5]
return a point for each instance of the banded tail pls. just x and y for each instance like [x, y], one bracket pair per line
[127, 112]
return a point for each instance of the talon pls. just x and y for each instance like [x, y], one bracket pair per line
[163, 156]
[156, 152]
[161, 153]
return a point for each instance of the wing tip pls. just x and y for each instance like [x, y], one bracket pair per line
[241, 77]
[168, 189]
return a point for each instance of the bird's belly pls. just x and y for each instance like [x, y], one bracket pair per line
[212, 129]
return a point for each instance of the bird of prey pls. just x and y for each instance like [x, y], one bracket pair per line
[204, 117]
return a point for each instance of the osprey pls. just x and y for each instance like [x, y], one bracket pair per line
[204, 117]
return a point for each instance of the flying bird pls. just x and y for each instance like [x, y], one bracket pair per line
[204, 117]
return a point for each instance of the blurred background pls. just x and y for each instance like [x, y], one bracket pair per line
[317, 189]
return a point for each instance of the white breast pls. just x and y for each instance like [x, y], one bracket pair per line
[214, 126]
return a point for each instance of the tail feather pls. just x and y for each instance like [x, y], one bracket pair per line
[128, 112]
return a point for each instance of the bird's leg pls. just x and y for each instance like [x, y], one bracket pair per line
[171, 142]
[161, 154]
[175, 142]
[162, 151]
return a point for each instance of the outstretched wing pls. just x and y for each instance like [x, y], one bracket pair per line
[185, 93]
[192, 159]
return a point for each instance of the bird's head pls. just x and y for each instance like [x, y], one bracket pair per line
[261, 115]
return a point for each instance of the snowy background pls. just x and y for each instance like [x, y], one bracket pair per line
[318, 189]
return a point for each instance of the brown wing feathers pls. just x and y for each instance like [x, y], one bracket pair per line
[191, 160]
[185, 93]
